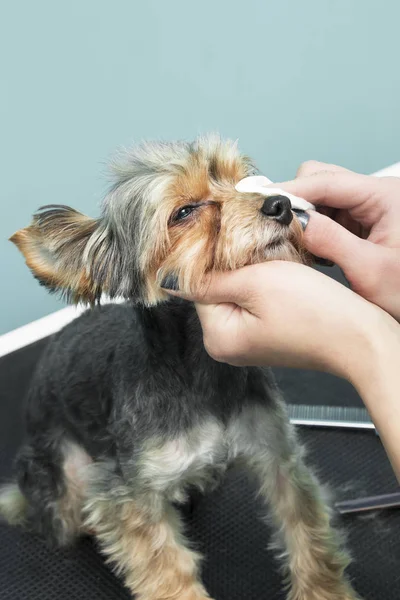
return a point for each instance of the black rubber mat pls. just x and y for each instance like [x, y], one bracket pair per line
[225, 525]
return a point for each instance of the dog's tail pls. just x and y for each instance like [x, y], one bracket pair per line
[13, 504]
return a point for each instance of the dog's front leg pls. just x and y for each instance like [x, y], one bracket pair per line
[313, 559]
[143, 539]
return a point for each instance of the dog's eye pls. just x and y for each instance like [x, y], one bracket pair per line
[183, 212]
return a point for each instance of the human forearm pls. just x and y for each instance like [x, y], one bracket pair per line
[376, 376]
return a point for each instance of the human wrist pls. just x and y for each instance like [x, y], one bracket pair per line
[377, 379]
[378, 358]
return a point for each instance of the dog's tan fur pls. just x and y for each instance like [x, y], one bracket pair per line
[152, 555]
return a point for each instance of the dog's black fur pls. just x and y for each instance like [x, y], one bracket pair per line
[115, 377]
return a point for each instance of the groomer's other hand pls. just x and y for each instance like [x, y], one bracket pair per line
[282, 313]
[362, 235]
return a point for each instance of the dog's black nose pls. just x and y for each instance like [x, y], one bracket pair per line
[278, 208]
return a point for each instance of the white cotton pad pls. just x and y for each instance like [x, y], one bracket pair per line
[257, 184]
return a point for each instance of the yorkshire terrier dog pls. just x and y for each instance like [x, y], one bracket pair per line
[127, 412]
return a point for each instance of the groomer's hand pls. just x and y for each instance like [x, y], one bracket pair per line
[282, 313]
[362, 235]
[286, 314]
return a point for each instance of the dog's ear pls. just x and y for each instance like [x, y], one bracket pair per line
[69, 253]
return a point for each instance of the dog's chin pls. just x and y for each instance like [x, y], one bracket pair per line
[286, 244]
[282, 249]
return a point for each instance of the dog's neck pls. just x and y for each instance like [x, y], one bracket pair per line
[173, 324]
[174, 350]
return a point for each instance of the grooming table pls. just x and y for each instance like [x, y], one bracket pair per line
[223, 525]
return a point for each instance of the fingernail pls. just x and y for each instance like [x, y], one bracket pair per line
[323, 262]
[170, 282]
[302, 216]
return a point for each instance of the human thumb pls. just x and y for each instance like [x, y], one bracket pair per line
[327, 239]
[216, 288]
[219, 294]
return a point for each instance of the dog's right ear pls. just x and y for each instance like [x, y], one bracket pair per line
[70, 253]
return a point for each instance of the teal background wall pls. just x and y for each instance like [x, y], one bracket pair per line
[292, 80]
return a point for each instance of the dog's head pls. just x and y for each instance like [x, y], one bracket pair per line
[172, 215]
